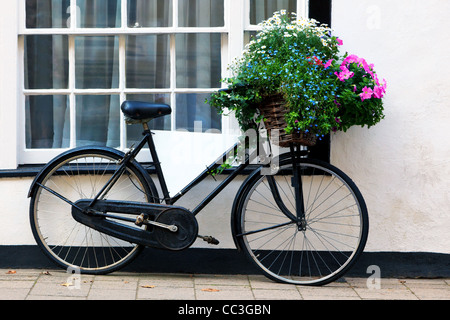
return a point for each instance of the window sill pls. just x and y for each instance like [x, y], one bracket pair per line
[21, 172]
[30, 171]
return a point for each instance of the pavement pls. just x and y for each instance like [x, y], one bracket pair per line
[34, 284]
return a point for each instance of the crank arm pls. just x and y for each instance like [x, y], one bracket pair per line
[139, 221]
[171, 228]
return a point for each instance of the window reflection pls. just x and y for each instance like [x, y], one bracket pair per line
[148, 61]
[99, 13]
[199, 60]
[192, 114]
[47, 13]
[263, 10]
[46, 62]
[149, 13]
[47, 122]
[98, 120]
[97, 62]
[201, 13]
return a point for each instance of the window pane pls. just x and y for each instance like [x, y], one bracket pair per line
[134, 132]
[46, 62]
[148, 61]
[199, 61]
[98, 120]
[149, 13]
[99, 13]
[263, 10]
[97, 62]
[248, 36]
[201, 13]
[47, 13]
[194, 115]
[47, 122]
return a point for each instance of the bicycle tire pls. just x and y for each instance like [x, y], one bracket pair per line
[80, 174]
[336, 231]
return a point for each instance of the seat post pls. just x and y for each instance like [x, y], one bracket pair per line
[156, 163]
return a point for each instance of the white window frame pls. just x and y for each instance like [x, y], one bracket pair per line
[44, 155]
[237, 21]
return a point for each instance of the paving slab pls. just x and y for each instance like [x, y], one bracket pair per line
[37, 284]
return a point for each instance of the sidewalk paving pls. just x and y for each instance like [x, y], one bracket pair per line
[36, 284]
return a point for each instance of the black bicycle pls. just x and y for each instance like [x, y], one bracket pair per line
[96, 208]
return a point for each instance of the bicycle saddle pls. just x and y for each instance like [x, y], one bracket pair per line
[142, 112]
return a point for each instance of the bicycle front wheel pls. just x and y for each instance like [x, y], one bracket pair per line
[81, 175]
[329, 241]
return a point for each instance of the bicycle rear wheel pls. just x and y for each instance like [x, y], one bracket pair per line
[317, 253]
[81, 175]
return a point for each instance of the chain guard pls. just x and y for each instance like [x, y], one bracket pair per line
[187, 231]
[152, 236]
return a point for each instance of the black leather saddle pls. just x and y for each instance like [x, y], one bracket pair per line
[143, 112]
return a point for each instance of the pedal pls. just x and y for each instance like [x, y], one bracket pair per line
[140, 220]
[209, 239]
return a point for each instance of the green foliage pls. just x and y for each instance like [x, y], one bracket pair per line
[300, 60]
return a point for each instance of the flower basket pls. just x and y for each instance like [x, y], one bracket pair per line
[293, 72]
[273, 109]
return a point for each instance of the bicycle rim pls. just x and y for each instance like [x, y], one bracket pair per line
[336, 225]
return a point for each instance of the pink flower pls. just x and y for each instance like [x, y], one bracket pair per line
[328, 64]
[366, 94]
[344, 74]
[368, 68]
[361, 62]
[351, 59]
[380, 90]
[384, 85]
[339, 41]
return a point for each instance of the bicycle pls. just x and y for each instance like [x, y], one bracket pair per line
[96, 208]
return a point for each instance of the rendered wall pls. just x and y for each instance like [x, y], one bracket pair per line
[402, 165]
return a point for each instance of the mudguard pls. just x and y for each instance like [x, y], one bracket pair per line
[237, 204]
[40, 176]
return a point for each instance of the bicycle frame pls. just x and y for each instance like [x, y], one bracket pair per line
[148, 140]
[297, 217]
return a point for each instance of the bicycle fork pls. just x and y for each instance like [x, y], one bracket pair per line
[297, 217]
[298, 188]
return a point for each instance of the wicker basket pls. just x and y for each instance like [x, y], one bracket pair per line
[273, 109]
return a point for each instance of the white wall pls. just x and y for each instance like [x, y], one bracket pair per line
[403, 164]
